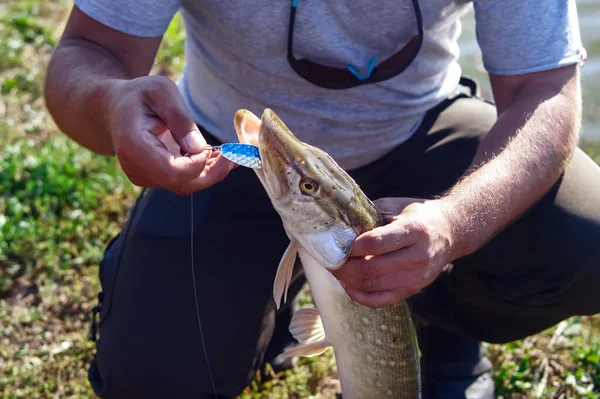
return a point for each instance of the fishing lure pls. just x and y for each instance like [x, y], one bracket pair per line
[243, 154]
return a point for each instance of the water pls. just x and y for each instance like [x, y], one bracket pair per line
[589, 23]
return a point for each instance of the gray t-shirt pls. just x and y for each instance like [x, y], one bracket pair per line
[236, 58]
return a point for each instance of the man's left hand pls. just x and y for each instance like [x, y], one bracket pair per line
[393, 262]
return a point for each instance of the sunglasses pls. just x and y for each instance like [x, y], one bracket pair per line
[344, 78]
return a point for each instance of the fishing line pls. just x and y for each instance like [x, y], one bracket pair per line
[212, 381]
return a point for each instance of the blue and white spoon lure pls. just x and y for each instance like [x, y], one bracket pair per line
[242, 154]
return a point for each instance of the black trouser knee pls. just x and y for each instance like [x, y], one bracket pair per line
[542, 269]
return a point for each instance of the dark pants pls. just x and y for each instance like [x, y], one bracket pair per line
[540, 270]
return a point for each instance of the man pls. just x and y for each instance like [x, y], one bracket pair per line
[494, 215]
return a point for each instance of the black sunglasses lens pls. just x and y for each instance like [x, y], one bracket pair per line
[321, 75]
[339, 78]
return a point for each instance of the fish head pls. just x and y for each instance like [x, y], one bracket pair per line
[321, 206]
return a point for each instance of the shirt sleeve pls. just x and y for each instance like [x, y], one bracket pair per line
[521, 36]
[145, 18]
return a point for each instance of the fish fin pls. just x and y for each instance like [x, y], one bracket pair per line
[306, 350]
[247, 126]
[284, 273]
[306, 326]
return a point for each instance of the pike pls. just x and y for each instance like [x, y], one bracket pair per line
[323, 211]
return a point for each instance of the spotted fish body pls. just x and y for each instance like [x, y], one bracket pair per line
[323, 210]
[375, 350]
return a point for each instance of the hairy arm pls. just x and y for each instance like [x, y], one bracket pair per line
[523, 155]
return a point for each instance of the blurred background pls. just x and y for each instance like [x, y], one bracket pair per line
[60, 205]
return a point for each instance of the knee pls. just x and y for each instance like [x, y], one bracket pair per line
[115, 375]
[504, 315]
[581, 254]
[132, 362]
[134, 371]
[501, 309]
[584, 293]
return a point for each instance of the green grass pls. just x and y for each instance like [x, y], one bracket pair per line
[60, 204]
[171, 56]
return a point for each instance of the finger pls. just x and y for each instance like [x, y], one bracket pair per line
[392, 206]
[160, 167]
[142, 153]
[382, 265]
[379, 299]
[141, 181]
[189, 167]
[216, 170]
[164, 99]
[384, 239]
[169, 142]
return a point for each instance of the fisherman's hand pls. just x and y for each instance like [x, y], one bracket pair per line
[393, 262]
[149, 125]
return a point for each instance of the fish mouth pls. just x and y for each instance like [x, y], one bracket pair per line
[280, 151]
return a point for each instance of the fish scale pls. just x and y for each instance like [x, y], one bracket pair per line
[380, 354]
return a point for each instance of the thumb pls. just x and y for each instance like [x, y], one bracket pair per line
[391, 207]
[164, 99]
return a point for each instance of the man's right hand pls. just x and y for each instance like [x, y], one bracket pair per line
[99, 93]
[149, 125]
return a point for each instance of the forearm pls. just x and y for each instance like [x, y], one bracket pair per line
[520, 159]
[79, 76]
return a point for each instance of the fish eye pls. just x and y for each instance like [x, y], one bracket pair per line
[308, 185]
